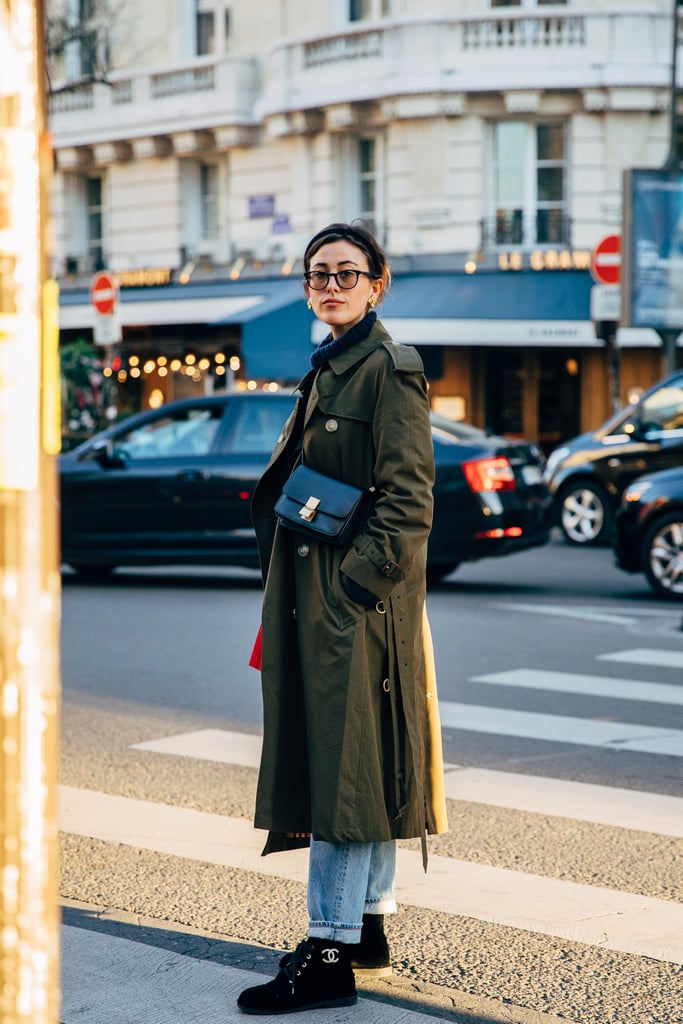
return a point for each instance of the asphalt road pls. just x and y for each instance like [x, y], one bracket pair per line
[538, 681]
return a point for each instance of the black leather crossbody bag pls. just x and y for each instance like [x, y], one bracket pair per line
[321, 507]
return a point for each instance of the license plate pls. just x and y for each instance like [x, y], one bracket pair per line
[531, 475]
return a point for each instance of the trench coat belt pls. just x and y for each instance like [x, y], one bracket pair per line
[401, 667]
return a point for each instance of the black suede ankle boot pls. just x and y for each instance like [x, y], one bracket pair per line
[317, 974]
[370, 957]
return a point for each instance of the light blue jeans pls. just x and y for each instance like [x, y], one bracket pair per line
[345, 881]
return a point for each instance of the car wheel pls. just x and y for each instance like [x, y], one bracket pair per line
[441, 570]
[662, 555]
[585, 516]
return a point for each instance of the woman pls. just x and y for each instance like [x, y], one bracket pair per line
[351, 755]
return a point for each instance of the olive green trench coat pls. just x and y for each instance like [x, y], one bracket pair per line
[352, 746]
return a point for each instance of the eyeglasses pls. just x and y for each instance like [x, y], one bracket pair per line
[346, 279]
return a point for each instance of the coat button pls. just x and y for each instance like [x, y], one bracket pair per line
[331, 426]
[303, 550]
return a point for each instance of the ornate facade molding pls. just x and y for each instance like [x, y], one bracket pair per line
[72, 158]
[185, 143]
[150, 146]
[522, 101]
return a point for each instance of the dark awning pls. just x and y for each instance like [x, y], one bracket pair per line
[531, 308]
[537, 308]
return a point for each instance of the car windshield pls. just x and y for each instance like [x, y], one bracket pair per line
[187, 432]
[451, 431]
[661, 410]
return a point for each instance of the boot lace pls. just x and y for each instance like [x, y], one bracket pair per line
[298, 962]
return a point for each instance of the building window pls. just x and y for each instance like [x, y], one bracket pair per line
[369, 202]
[88, 39]
[84, 241]
[364, 10]
[529, 185]
[94, 222]
[204, 32]
[208, 198]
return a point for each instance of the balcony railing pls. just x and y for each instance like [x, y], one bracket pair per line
[214, 92]
[514, 228]
[580, 48]
[446, 58]
[514, 32]
[358, 46]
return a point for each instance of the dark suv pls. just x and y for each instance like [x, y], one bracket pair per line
[174, 486]
[587, 476]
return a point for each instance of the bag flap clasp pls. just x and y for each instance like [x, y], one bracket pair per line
[309, 510]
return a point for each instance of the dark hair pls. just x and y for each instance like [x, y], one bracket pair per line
[359, 236]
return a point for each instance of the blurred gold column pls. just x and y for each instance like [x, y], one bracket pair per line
[29, 577]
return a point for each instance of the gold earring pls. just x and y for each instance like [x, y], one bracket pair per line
[372, 301]
[309, 304]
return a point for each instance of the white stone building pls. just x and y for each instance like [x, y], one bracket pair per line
[484, 140]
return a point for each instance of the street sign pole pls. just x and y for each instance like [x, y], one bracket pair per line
[606, 307]
[104, 296]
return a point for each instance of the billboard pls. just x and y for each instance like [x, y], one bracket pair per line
[653, 249]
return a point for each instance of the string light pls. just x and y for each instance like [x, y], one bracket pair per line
[136, 366]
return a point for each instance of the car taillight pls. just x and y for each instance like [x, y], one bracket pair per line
[489, 474]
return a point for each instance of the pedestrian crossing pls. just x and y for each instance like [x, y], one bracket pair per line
[610, 919]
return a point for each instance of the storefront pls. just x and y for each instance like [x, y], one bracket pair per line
[512, 351]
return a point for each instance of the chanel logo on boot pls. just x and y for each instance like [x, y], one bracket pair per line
[330, 956]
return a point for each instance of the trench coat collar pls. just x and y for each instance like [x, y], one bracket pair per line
[377, 336]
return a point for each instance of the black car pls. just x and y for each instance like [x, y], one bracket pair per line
[649, 534]
[587, 476]
[174, 486]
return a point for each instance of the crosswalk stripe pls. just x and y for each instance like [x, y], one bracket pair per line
[604, 805]
[582, 801]
[646, 656]
[562, 729]
[593, 686]
[564, 611]
[626, 922]
[218, 745]
[169, 988]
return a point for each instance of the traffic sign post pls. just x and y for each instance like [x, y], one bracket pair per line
[606, 260]
[107, 329]
[606, 302]
[104, 295]
[606, 305]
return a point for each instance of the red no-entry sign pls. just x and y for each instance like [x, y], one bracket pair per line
[104, 293]
[606, 260]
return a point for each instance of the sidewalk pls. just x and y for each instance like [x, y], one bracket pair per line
[118, 969]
